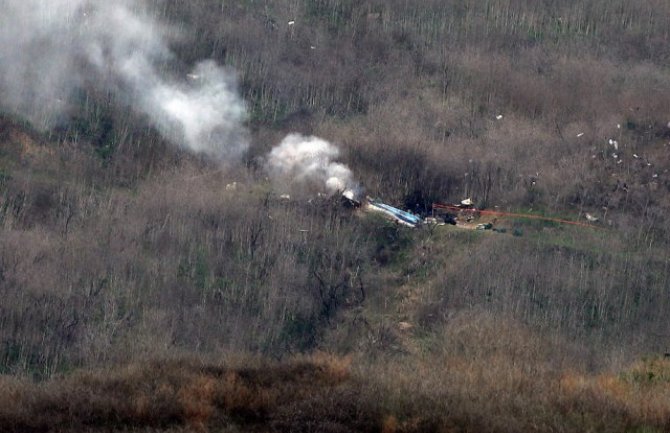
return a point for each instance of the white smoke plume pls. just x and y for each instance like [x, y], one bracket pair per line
[50, 48]
[309, 160]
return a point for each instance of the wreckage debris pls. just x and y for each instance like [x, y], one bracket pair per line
[464, 215]
[350, 200]
[433, 221]
[456, 213]
[400, 216]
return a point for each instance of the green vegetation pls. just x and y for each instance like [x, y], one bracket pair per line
[124, 259]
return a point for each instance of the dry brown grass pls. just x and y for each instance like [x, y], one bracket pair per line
[162, 395]
[484, 374]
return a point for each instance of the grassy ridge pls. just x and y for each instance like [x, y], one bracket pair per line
[471, 383]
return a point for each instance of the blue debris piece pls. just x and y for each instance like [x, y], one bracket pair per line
[400, 216]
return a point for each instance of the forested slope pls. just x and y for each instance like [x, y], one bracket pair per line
[126, 241]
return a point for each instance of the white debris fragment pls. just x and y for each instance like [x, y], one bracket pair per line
[290, 23]
[499, 117]
[590, 217]
[285, 197]
[619, 161]
[231, 186]
[618, 126]
[580, 134]
[614, 143]
[635, 155]
[312, 47]
[655, 175]
[615, 156]
[466, 202]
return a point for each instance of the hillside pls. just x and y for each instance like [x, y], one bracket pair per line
[175, 254]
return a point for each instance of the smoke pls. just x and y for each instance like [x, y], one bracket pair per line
[309, 160]
[209, 114]
[51, 48]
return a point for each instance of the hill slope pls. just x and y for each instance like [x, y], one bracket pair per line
[119, 243]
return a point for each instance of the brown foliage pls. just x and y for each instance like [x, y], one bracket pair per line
[161, 395]
[485, 373]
